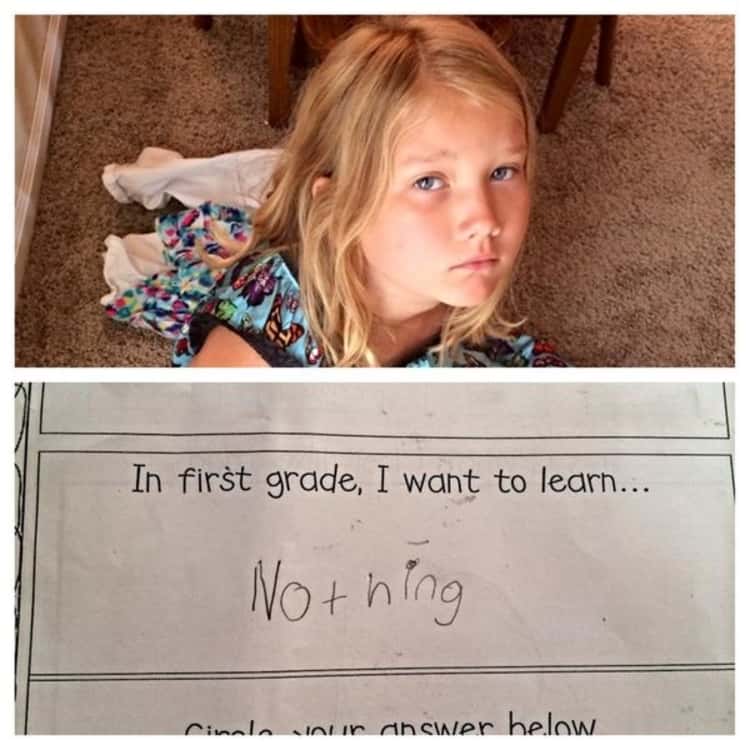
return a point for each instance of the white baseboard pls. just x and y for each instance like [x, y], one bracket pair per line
[27, 193]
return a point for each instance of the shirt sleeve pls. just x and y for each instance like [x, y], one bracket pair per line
[203, 323]
[258, 299]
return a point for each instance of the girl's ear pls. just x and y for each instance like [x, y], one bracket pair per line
[319, 184]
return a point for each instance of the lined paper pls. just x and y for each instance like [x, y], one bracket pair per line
[382, 559]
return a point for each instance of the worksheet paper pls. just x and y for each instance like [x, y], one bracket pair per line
[375, 558]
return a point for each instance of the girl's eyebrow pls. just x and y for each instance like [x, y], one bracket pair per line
[434, 156]
[514, 150]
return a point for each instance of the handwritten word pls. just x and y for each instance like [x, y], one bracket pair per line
[293, 599]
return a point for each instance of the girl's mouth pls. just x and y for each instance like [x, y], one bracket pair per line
[478, 264]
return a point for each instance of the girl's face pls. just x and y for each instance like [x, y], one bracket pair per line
[456, 212]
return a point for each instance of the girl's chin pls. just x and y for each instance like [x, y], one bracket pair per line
[469, 295]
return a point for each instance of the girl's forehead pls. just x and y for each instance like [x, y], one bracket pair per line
[449, 116]
[440, 99]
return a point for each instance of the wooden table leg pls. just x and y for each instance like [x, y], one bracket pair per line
[280, 41]
[576, 38]
[606, 50]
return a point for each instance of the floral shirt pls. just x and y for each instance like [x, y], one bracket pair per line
[259, 298]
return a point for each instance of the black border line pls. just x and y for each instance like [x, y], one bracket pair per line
[21, 388]
[726, 410]
[444, 454]
[385, 671]
[384, 437]
[33, 594]
[316, 670]
[20, 519]
[377, 671]
[27, 419]
[41, 411]
[267, 433]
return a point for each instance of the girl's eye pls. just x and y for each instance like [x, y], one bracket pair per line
[431, 183]
[505, 173]
[426, 184]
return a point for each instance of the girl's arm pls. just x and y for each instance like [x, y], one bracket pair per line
[223, 348]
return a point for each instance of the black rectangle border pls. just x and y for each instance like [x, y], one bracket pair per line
[346, 672]
[725, 417]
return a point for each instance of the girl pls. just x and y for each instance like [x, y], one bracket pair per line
[395, 215]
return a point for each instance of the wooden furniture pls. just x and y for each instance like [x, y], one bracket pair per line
[280, 41]
[307, 39]
[204, 23]
[576, 39]
[301, 41]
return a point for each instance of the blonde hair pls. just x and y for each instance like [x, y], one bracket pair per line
[345, 126]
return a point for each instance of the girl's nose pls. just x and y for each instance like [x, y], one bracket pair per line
[478, 218]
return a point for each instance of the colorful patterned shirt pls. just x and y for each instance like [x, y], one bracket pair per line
[259, 299]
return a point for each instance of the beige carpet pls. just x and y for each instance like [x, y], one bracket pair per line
[630, 259]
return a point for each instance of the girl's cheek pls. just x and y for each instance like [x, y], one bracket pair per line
[518, 208]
